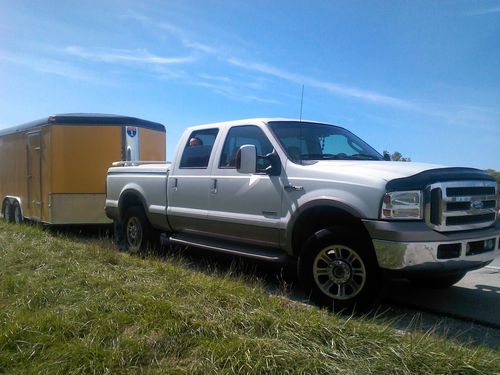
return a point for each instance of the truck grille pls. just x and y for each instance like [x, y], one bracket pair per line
[461, 205]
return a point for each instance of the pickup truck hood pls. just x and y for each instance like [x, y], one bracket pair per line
[384, 170]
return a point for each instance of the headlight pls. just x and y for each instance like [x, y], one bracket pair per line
[402, 205]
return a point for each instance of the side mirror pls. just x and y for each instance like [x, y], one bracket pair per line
[387, 156]
[246, 159]
[274, 168]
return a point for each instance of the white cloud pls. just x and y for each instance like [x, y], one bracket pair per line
[215, 78]
[169, 72]
[51, 66]
[233, 93]
[124, 55]
[484, 11]
[227, 85]
[336, 88]
[467, 116]
[181, 34]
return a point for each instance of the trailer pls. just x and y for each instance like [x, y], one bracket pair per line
[53, 170]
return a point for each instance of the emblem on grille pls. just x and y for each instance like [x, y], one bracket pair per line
[476, 205]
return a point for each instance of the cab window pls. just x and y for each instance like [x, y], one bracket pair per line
[198, 149]
[245, 135]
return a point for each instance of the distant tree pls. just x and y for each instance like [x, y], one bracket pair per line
[397, 156]
[494, 174]
[497, 177]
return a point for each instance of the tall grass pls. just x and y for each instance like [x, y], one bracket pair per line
[80, 307]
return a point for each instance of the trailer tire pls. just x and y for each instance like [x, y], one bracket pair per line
[138, 233]
[338, 269]
[17, 215]
[7, 212]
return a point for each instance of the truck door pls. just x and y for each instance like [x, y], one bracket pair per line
[34, 168]
[245, 207]
[190, 183]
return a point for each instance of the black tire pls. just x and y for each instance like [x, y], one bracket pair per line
[338, 269]
[138, 234]
[17, 216]
[7, 212]
[440, 282]
[118, 235]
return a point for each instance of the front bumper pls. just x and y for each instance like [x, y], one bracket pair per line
[413, 247]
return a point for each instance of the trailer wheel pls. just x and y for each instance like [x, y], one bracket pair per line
[338, 270]
[17, 214]
[7, 212]
[138, 233]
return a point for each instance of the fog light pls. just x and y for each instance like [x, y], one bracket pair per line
[478, 247]
[489, 244]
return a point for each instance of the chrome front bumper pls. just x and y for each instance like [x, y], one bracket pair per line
[407, 250]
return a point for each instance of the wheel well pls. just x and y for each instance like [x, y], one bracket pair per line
[12, 201]
[322, 217]
[128, 200]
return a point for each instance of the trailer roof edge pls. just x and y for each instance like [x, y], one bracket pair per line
[85, 119]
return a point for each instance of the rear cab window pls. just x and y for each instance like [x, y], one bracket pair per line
[198, 148]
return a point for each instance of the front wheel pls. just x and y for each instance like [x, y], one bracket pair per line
[338, 269]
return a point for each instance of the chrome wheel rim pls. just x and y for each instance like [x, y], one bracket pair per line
[134, 234]
[339, 272]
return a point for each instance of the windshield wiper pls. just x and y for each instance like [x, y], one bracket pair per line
[319, 157]
[340, 156]
[364, 157]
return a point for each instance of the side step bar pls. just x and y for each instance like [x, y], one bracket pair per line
[265, 254]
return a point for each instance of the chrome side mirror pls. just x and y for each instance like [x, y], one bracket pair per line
[246, 159]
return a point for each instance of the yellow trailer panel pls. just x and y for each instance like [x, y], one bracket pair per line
[54, 170]
[91, 149]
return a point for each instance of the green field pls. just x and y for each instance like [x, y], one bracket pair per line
[73, 305]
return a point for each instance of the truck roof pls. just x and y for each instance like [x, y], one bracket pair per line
[249, 121]
[96, 119]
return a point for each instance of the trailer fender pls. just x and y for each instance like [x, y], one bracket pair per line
[11, 199]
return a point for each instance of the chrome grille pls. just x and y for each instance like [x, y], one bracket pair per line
[461, 205]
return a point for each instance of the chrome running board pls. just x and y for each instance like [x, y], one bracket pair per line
[259, 253]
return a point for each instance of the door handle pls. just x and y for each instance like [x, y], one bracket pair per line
[291, 187]
[213, 190]
[174, 184]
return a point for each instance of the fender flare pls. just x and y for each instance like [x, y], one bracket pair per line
[131, 191]
[13, 199]
[325, 202]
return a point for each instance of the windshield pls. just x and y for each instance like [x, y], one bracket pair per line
[312, 141]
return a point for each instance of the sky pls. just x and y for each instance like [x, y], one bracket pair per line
[418, 77]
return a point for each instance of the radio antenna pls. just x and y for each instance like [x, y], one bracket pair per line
[301, 102]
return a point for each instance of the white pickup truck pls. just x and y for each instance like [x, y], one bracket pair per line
[280, 189]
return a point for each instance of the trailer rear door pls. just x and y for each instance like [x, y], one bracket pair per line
[34, 158]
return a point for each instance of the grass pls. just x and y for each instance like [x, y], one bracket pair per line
[74, 306]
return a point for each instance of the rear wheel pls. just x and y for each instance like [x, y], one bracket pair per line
[440, 282]
[17, 214]
[338, 269]
[138, 232]
[7, 212]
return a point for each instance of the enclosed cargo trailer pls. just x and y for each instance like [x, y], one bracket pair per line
[53, 170]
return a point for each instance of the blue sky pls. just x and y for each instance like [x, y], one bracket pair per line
[420, 77]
